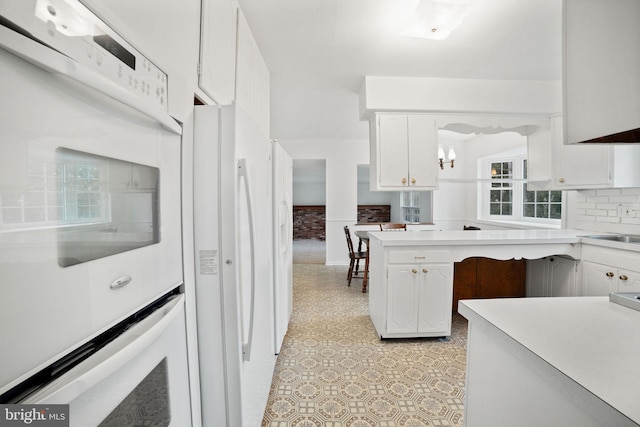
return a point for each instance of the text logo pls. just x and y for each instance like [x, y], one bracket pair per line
[34, 415]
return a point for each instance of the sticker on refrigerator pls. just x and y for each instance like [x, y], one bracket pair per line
[208, 261]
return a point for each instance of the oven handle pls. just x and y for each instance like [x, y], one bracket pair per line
[110, 359]
[54, 62]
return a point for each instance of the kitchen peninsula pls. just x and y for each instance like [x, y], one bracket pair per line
[411, 273]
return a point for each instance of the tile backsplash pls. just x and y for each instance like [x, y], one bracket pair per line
[614, 210]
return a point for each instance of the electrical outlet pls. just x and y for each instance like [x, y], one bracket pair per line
[627, 211]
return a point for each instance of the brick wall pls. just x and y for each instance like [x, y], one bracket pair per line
[374, 213]
[309, 222]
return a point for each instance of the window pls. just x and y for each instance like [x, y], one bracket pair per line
[501, 195]
[410, 205]
[504, 195]
[541, 204]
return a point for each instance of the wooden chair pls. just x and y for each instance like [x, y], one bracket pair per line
[354, 257]
[385, 226]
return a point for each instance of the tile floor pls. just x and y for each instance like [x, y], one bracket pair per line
[334, 371]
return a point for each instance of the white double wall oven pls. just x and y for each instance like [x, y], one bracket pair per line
[90, 226]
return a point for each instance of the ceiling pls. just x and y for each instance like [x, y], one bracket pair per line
[318, 52]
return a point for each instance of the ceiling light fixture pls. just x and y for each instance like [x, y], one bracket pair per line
[436, 19]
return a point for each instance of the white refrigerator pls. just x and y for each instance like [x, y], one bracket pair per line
[282, 241]
[233, 238]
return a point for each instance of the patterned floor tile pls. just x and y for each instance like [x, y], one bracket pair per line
[334, 371]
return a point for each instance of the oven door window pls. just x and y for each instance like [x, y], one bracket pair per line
[104, 206]
[147, 405]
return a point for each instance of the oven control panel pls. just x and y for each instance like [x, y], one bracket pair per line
[70, 28]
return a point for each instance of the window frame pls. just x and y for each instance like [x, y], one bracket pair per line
[518, 183]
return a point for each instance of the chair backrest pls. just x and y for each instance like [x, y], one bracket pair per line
[392, 226]
[347, 234]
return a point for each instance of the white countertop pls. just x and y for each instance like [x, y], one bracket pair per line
[492, 237]
[474, 237]
[592, 341]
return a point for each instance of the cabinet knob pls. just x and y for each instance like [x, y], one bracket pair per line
[561, 180]
[404, 180]
[623, 277]
[609, 274]
[414, 270]
[413, 180]
[424, 270]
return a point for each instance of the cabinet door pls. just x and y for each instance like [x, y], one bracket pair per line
[628, 281]
[551, 165]
[393, 152]
[436, 291]
[218, 50]
[423, 152]
[402, 295]
[598, 280]
[562, 277]
[601, 68]
[579, 166]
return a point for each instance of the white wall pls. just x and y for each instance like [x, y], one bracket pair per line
[455, 202]
[342, 158]
[309, 193]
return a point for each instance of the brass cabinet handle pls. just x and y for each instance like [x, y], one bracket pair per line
[424, 270]
[404, 180]
[413, 180]
[609, 274]
[561, 180]
[413, 270]
[623, 277]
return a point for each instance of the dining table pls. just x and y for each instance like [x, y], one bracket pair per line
[363, 235]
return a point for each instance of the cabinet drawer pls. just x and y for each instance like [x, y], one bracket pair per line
[421, 256]
[618, 258]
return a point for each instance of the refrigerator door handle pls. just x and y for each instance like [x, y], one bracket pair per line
[246, 344]
[288, 221]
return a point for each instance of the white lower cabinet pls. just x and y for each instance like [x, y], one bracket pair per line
[599, 279]
[607, 270]
[418, 300]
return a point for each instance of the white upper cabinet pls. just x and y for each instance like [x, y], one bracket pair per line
[552, 165]
[404, 152]
[252, 78]
[601, 70]
[217, 76]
